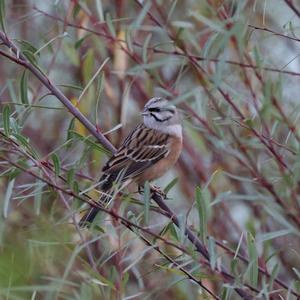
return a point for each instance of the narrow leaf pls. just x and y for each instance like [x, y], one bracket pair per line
[93, 78]
[110, 25]
[76, 10]
[146, 202]
[212, 252]
[182, 222]
[200, 203]
[253, 260]
[275, 234]
[6, 115]
[139, 19]
[145, 47]
[170, 185]
[71, 177]
[38, 197]
[24, 88]
[56, 164]
[31, 57]
[26, 46]
[7, 197]
[297, 272]
[2, 15]
[99, 90]
[70, 131]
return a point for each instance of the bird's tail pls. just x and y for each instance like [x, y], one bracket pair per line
[92, 212]
[106, 183]
[88, 217]
[108, 192]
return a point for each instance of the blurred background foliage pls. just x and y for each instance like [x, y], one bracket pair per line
[232, 67]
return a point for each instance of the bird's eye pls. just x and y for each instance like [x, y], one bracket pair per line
[154, 109]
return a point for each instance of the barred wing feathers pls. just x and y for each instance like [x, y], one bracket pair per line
[140, 150]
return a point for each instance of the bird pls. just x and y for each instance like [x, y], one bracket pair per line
[146, 154]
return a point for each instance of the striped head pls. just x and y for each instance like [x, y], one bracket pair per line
[161, 115]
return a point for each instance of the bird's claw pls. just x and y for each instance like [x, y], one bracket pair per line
[157, 190]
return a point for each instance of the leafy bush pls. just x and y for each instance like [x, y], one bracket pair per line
[73, 72]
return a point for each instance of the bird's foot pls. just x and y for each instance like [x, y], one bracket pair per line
[140, 189]
[157, 190]
[154, 189]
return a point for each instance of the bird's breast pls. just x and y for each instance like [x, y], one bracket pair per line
[163, 165]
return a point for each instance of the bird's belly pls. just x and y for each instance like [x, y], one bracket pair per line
[162, 166]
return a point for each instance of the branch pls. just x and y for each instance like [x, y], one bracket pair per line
[292, 7]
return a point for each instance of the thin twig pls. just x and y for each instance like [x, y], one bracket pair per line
[293, 7]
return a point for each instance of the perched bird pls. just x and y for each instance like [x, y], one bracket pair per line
[146, 154]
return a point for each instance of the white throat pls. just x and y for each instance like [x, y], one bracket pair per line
[174, 129]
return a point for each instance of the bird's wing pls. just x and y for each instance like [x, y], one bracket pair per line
[141, 149]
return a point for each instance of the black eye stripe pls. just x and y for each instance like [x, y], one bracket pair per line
[157, 109]
[154, 109]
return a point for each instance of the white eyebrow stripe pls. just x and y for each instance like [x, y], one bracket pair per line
[155, 146]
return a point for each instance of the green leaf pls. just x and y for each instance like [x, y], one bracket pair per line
[56, 164]
[253, 260]
[274, 274]
[27, 47]
[226, 293]
[181, 227]
[202, 213]
[212, 252]
[76, 188]
[7, 197]
[71, 54]
[38, 193]
[139, 19]
[110, 25]
[31, 57]
[275, 234]
[170, 185]
[71, 86]
[88, 65]
[297, 272]
[93, 77]
[71, 177]
[99, 90]
[13, 173]
[79, 42]
[76, 10]
[24, 141]
[70, 132]
[234, 267]
[169, 228]
[146, 202]
[6, 123]
[145, 47]
[14, 125]
[2, 15]
[150, 66]
[128, 40]
[91, 143]
[24, 88]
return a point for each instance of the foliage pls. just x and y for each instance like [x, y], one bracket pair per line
[73, 72]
